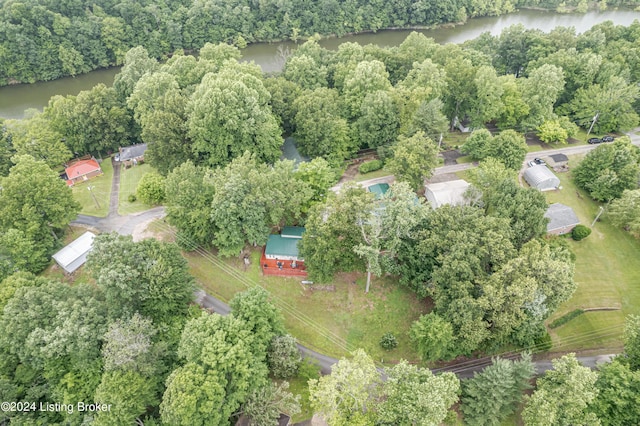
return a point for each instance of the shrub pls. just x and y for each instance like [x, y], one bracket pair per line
[132, 198]
[151, 188]
[370, 166]
[566, 318]
[388, 341]
[580, 232]
[283, 357]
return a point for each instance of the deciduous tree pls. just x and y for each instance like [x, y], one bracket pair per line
[321, 131]
[349, 392]
[229, 114]
[563, 395]
[332, 233]
[264, 405]
[189, 192]
[283, 356]
[625, 211]
[414, 396]
[413, 159]
[433, 337]
[609, 169]
[36, 204]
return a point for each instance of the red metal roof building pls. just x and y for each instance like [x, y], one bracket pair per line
[82, 170]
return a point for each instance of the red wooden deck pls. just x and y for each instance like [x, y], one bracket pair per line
[270, 267]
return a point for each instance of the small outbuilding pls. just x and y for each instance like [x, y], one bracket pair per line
[562, 219]
[75, 254]
[452, 193]
[558, 162]
[541, 178]
[82, 170]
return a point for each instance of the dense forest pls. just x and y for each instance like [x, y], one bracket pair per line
[45, 40]
[214, 125]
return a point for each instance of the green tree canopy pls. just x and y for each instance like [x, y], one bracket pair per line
[349, 392]
[250, 198]
[148, 277]
[228, 114]
[332, 233]
[563, 395]
[413, 160]
[321, 131]
[189, 192]
[492, 395]
[414, 396]
[35, 205]
[609, 169]
[625, 211]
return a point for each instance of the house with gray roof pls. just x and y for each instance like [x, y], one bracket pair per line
[562, 219]
[133, 153]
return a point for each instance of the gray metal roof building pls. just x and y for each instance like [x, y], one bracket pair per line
[74, 255]
[562, 219]
[541, 178]
[133, 151]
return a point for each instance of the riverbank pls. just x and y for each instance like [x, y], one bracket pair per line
[14, 100]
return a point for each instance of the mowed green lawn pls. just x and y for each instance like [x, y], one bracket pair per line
[331, 322]
[101, 189]
[129, 179]
[607, 274]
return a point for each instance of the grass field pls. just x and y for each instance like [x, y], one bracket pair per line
[607, 274]
[359, 177]
[332, 322]
[129, 179]
[101, 189]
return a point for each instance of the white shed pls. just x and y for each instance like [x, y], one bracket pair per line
[451, 193]
[541, 178]
[74, 255]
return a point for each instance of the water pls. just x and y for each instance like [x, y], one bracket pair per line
[15, 99]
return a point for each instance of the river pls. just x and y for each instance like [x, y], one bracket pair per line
[14, 100]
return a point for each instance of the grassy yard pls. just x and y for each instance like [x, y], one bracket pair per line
[371, 175]
[331, 322]
[101, 189]
[129, 179]
[607, 274]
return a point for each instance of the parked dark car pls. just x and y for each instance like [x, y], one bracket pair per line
[594, 140]
[607, 139]
[539, 161]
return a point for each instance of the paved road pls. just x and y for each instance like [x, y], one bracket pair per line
[567, 150]
[125, 225]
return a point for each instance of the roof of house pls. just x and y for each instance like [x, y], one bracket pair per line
[379, 189]
[560, 216]
[559, 158]
[133, 151]
[77, 248]
[451, 192]
[540, 175]
[292, 232]
[81, 168]
[277, 245]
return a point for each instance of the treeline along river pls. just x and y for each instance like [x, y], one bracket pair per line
[14, 100]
